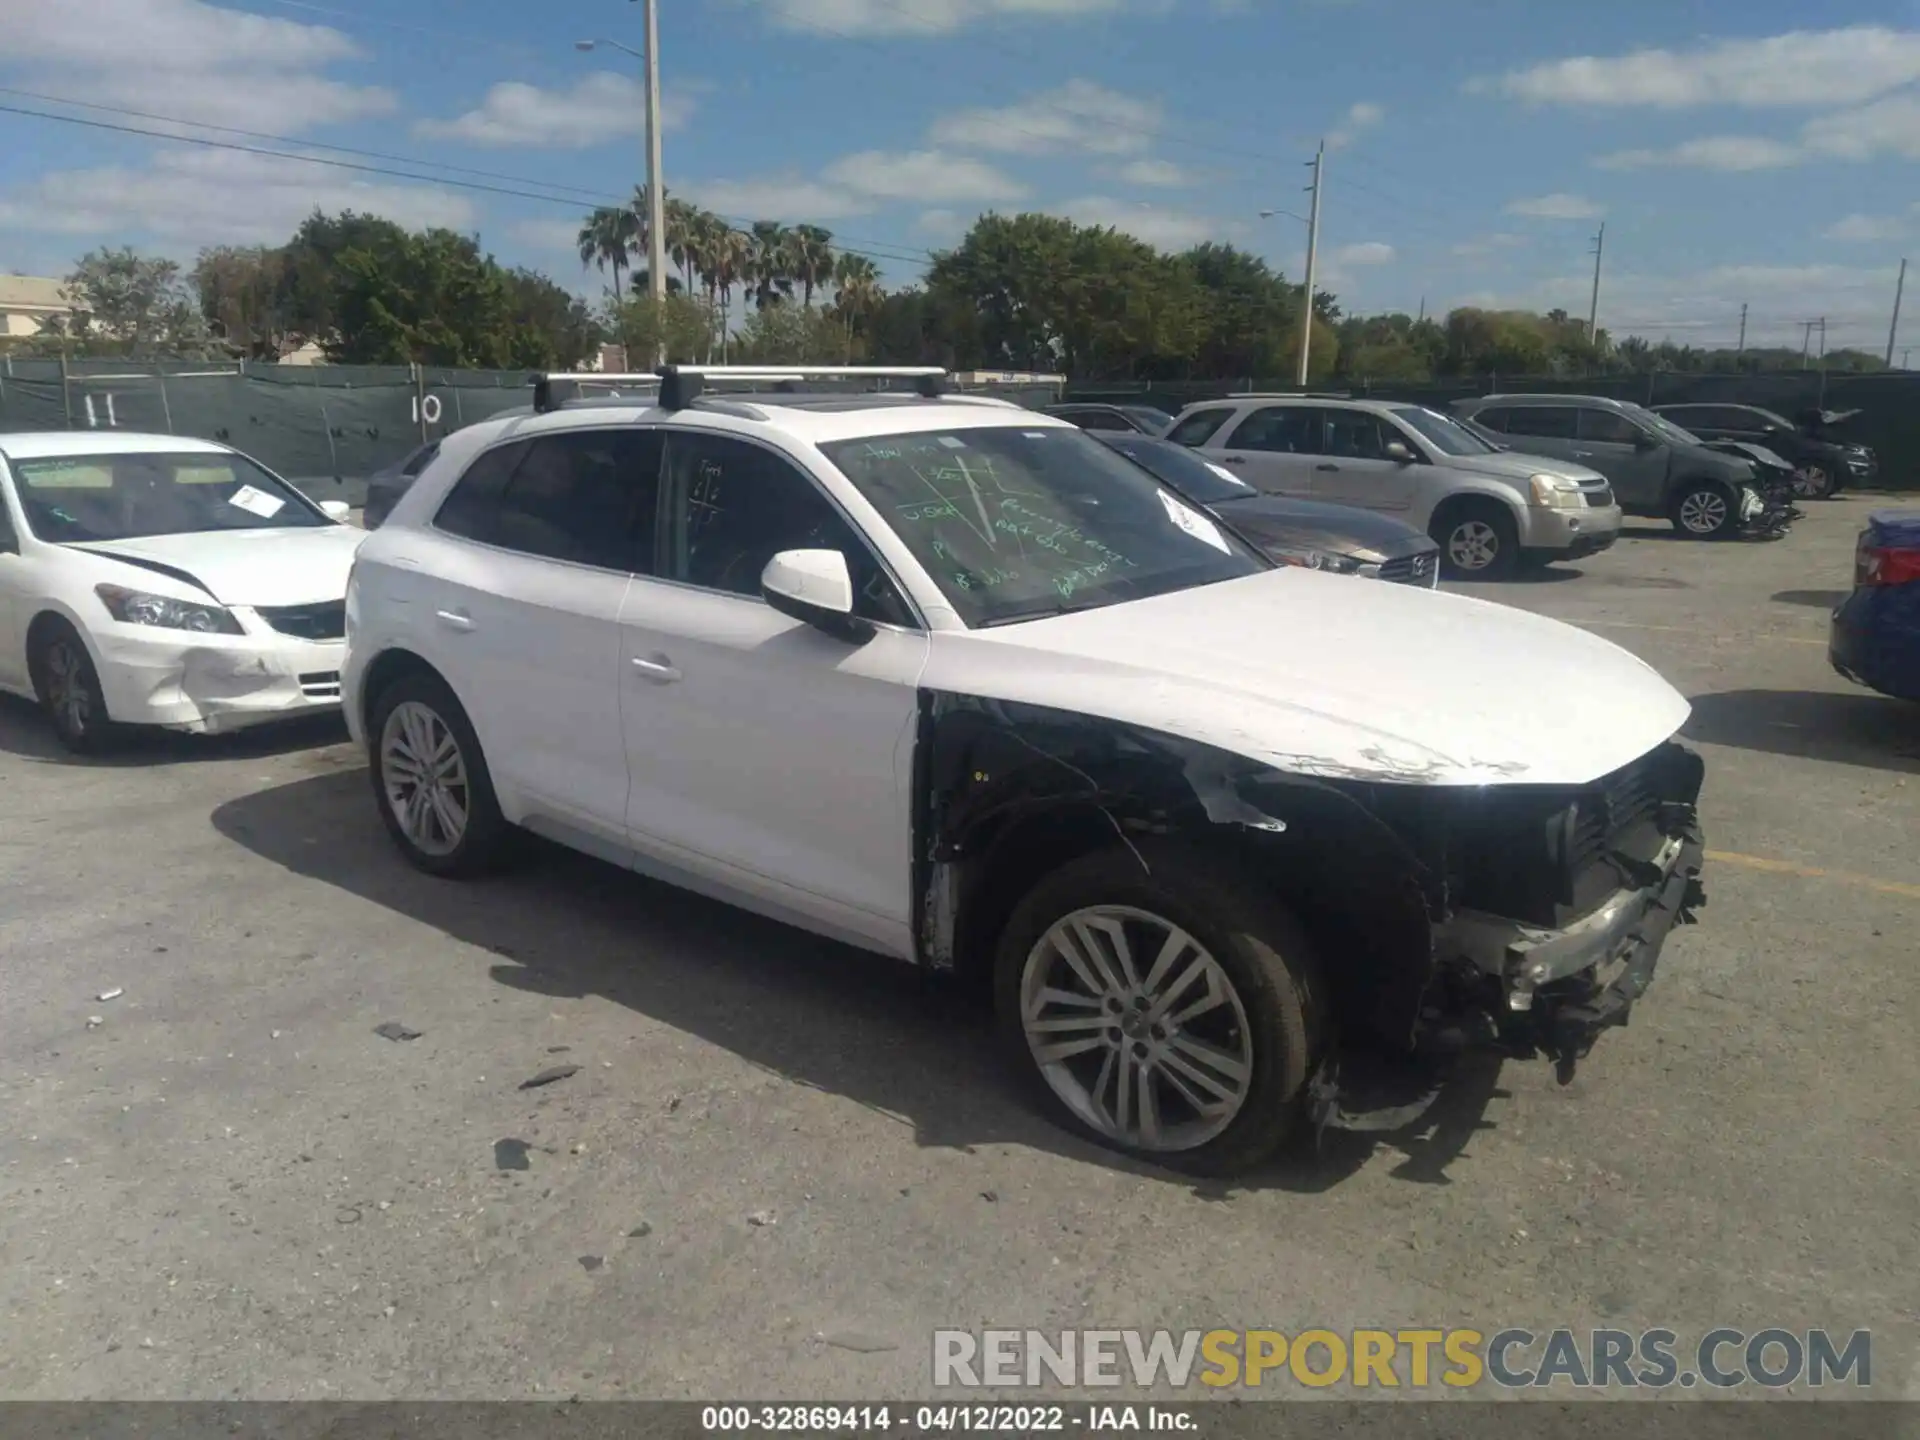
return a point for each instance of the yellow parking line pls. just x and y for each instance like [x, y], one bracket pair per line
[1813, 872]
[1694, 631]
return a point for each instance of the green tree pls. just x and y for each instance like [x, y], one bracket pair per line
[551, 329]
[246, 298]
[770, 263]
[607, 239]
[125, 304]
[810, 259]
[431, 299]
[681, 326]
[792, 335]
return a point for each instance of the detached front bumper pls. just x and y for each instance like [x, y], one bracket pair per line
[1558, 989]
[209, 684]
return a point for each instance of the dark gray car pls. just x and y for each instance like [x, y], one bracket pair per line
[1293, 532]
[1656, 467]
[387, 484]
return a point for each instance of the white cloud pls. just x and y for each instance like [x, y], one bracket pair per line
[1159, 174]
[547, 236]
[1155, 224]
[1078, 118]
[1558, 206]
[1871, 227]
[1489, 244]
[1712, 152]
[1810, 68]
[186, 58]
[863, 18]
[189, 198]
[600, 107]
[941, 224]
[787, 198]
[928, 176]
[1367, 252]
[1887, 126]
[1363, 116]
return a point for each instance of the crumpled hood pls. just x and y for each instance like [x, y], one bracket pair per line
[1518, 465]
[250, 567]
[1323, 675]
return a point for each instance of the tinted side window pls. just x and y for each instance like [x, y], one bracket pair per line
[1551, 422]
[585, 496]
[1608, 427]
[1198, 427]
[736, 505]
[1283, 429]
[417, 461]
[1100, 420]
[469, 507]
[1492, 419]
[1355, 434]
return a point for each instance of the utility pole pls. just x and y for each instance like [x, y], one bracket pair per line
[656, 196]
[1421, 317]
[1899, 287]
[1593, 310]
[1823, 342]
[1741, 348]
[1319, 163]
[1806, 341]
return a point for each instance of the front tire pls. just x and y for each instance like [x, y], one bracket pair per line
[1478, 541]
[1169, 1012]
[68, 687]
[1704, 510]
[1814, 480]
[431, 781]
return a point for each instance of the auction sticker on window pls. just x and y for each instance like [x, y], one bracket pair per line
[258, 502]
[1194, 523]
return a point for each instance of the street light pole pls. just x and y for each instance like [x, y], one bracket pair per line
[656, 195]
[1313, 244]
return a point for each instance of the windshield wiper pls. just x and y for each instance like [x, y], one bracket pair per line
[1043, 612]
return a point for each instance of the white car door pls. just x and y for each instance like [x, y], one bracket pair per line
[524, 609]
[13, 600]
[1271, 448]
[771, 764]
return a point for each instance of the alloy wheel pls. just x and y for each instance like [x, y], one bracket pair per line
[1473, 545]
[1810, 482]
[1137, 1028]
[68, 694]
[1704, 512]
[425, 778]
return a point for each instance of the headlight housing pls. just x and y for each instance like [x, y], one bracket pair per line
[1556, 492]
[163, 612]
[1310, 559]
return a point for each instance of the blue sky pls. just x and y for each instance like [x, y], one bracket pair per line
[1758, 152]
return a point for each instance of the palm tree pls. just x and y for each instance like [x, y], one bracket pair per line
[810, 259]
[857, 291]
[683, 237]
[732, 263]
[607, 241]
[770, 268]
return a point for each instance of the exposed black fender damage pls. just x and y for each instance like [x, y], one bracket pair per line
[1373, 865]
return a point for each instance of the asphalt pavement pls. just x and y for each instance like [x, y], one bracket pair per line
[780, 1165]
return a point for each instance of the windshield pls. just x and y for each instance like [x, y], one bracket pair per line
[1156, 421]
[1015, 524]
[1199, 480]
[1445, 435]
[77, 498]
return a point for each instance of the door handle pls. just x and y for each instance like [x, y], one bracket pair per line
[1583, 454]
[659, 670]
[1326, 467]
[454, 619]
[1234, 459]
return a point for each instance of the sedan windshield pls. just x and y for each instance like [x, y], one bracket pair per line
[1015, 523]
[1199, 480]
[1445, 435]
[77, 498]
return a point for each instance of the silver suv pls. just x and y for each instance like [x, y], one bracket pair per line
[1488, 510]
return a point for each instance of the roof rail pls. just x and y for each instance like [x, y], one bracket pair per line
[546, 395]
[681, 385]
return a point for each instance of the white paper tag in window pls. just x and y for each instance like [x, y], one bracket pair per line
[1194, 523]
[257, 502]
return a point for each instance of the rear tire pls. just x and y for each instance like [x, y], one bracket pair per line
[68, 687]
[1231, 1019]
[1477, 540]
[1814, 480]
[430, 780]
[1704, 510]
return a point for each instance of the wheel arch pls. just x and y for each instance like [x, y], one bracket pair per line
[49, 612]
[385, 668]
[1009, 792]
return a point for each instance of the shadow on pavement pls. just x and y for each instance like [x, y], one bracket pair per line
[1817, 599]
[24, 732]
[1850, 729]
[822, 1014]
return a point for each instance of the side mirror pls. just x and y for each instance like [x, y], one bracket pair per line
[1643, 441]
[815, 586]
[1399, 452]
[336, 509]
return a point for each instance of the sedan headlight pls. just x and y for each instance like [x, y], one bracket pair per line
[1309, 559]
[137, 607]
[1556, 492]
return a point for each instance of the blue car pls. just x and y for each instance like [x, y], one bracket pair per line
[1875, 639]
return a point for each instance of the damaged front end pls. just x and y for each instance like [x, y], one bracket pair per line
[1524, 919]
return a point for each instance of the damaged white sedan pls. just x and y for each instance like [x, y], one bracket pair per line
[157, 580]
[1234, 844]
